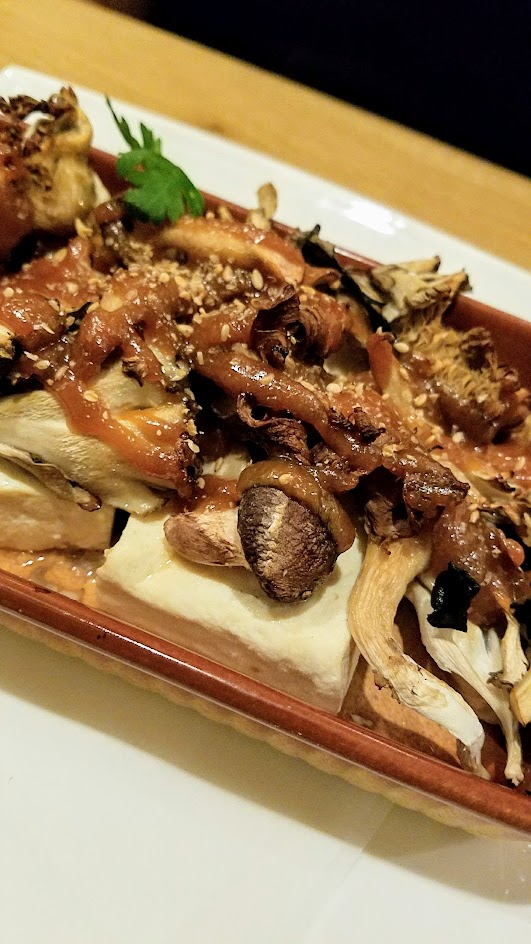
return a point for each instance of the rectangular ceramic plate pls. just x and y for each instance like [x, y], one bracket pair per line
[371, 230]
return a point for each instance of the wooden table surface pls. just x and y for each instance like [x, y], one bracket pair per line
[87, 44]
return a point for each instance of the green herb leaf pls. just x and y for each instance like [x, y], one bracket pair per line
[160, 191]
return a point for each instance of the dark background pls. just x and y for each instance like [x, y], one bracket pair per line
[460, 72]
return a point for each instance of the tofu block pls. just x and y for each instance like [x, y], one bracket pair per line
[32, 518]
[304, 649]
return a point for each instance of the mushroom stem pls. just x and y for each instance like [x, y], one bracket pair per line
[382, 582]
[476, 656]
[521, 699]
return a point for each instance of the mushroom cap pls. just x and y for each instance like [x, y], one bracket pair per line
[286, 545]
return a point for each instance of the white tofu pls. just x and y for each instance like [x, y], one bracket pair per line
[32, 518]
[304, 649]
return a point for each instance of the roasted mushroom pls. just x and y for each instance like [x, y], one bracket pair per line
[381, 584]
[477, 656]
[54, 183]
[399, 291]
[206, 537]
[285, 544]
[521, 699]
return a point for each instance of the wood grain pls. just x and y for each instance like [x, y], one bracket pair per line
[90, 45]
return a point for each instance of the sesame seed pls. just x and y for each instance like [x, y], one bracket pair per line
[91, 396]
[192, 446]
[333, 388]
[111, 302]
[401, 346]
[59, 374]
[284, 479]
[191, 427]
[201, 482]
[421, 399]
[8, 292]
[227, 273]
[225, 331]
[474, 517]
[257, 279]
[403, 373]
[200, 357]
[30, 356]
[185, 329]
[72, 288]
[520, 464]
[458, 437]
[164, 277]
[42, 365]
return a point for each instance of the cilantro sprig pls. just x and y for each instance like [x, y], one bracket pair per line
[159, 190]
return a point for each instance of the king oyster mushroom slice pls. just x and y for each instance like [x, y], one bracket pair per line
[477, 657]
[381, 584]
[51, 476]
[286, 545]
[34, 423]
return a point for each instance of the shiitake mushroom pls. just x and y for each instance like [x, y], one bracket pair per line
[286, 545]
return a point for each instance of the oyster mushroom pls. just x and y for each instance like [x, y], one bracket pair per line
[398, 291]
[521, 699]
[386, 572]
[477, 656]
[240, 243]
[286, 545]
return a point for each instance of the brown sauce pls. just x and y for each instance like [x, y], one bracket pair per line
[215, 494]
[65, 571]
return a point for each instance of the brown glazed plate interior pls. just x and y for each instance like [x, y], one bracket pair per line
[400, 762]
